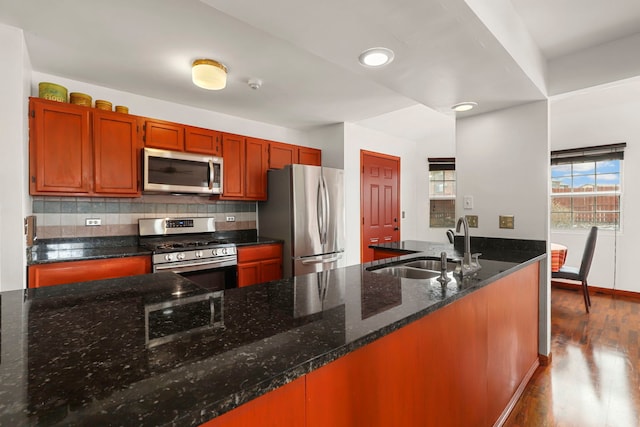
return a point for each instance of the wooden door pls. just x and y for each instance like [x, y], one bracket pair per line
[59, 148]
[380, 200]
[249, 273]
[164, 135]
[282, 154]
[309, 156]
[256, 165]
[233, 154]
[204, 141]
[115, 154]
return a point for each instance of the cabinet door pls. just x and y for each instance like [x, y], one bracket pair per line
[204, 141]
[59, 273]
[164, 135]
[271, 269]
[256, 165]
[115, 153]
[309, 156]
[233, 154]
[249, 274]
[282, 154]
[59, 148]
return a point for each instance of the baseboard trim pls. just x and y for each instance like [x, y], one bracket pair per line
[518, 393]
[608, 291]
[545, 360]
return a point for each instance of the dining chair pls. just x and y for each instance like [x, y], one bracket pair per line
[450, 235]
[580, 274]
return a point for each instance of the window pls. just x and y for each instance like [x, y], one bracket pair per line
[442, 192]
[586, 187]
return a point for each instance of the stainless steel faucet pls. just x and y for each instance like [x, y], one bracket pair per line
[470, 262]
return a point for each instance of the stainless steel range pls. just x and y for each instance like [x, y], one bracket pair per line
[189, 247]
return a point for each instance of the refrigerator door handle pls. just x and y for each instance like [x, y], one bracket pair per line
[322, 210]
[322, 260]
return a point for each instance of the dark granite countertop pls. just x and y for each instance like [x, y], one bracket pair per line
[80, 354]
[86, 248]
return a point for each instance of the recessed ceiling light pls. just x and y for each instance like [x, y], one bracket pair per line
[464, 106]
[376, 57]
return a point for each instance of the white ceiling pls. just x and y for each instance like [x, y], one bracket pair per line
[306, 53]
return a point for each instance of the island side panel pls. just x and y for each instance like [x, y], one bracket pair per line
[513, 336]
[418, 375]
[283, 407]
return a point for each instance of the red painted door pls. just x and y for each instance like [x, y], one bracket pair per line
[380, 200]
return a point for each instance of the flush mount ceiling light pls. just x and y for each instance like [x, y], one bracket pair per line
[209, 74]
[464, 106]
[376, 57]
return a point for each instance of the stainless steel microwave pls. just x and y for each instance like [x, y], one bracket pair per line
[178, 172]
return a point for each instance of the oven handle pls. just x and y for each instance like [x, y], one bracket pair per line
[195, 266]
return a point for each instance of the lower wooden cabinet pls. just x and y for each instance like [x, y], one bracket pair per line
[59, 273]
[283, 407]
[259, 263]
[462, 365]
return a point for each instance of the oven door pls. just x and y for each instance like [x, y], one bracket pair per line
[214, 276]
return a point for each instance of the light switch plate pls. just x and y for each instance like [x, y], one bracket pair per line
[506, 221]
[472, 220]
[468, 202]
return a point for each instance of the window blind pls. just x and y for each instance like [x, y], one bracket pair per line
[442, 163]
[594, 153]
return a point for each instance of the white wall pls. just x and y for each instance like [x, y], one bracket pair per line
[605, 115]
[330, 139]
[502, 159]
[14, 204]
[440, 142]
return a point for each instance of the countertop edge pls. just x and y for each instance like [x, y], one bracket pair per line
[220, 407]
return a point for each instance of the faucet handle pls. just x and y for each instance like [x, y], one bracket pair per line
[475, 260]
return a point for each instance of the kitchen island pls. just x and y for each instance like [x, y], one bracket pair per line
[347, 344]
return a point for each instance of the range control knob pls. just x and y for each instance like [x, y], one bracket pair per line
[180, 255]
[198, 254]
[168, 257]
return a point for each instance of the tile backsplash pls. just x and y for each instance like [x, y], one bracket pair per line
[66, 216]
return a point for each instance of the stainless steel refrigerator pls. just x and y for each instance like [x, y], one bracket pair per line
[305, 208]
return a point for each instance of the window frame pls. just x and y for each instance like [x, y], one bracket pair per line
[442, 164]
[593, 155]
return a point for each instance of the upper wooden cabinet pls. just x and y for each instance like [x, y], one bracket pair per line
[245, 168]
[309, 156]
[59, 148]
[281, 154]
[204, 141]
[115, 153]
[233, 154]
[76, 150]
[256, 164]
[164, 135]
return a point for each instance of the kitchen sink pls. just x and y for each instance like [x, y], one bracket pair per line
[430, 264]
[417, 269]
[408, 272]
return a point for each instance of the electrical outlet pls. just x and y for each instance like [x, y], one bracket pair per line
[231, 219]
[472, 220]
[506, 221]
[92, 221]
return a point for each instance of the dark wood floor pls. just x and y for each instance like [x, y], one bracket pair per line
[594, 376]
